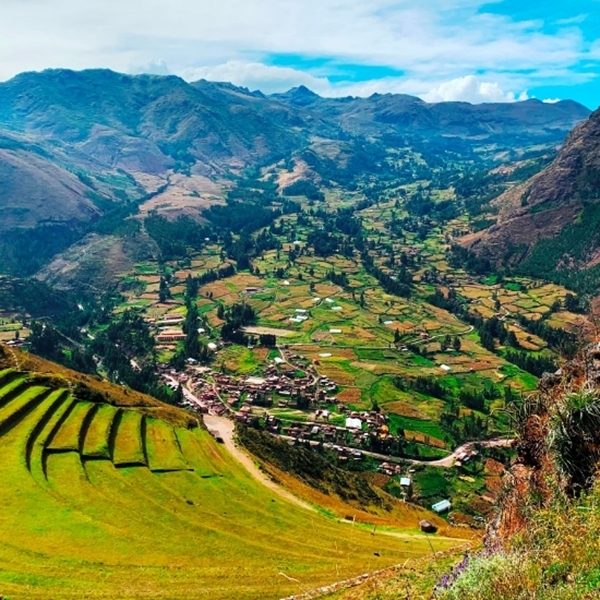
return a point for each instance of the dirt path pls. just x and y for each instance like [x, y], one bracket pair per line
[446, 462]
[224, 429]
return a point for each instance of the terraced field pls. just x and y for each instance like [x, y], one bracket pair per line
[108, 501]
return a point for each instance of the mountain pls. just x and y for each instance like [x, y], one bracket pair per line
[550, 224]
[36, 188]
[80, 152]
[146, 123]
[400, 113]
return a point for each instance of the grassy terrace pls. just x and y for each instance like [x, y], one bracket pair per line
[97, 438]
[162, 446]
[128, 446]
[71, 527]
[70, 434]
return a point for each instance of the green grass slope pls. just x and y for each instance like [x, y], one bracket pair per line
[80, 519]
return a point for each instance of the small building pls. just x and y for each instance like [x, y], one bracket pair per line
[352, 423]
[443, 506]
[170, 336]
[405, 482]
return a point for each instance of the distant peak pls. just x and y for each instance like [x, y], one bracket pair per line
[302, 90]
[300, 96]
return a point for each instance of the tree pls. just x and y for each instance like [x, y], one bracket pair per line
[220, 312]
[456, 344]
[487, 340]
[511, 340]
[178, 395]
[446, 343]
[396, 337]
[191, 288]
[164, 293]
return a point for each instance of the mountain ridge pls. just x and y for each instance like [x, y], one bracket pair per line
[102, 133]
[535, 218]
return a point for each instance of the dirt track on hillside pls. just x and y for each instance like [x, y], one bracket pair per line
[224, 428]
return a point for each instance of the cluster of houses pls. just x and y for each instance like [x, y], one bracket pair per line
[344, 441]
[261, 391]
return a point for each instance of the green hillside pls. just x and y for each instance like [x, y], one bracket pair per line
[106, 501]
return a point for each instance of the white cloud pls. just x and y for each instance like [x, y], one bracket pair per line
[471, 89]
[551, 100]
[152, 67]
[433, 42]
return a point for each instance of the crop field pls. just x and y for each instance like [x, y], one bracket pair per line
[333, 311]
[96, 443]
[84, 517]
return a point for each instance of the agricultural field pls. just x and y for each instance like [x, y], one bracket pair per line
[107, 501]
[332, 311]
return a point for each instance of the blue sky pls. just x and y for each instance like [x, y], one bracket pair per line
[472, 50]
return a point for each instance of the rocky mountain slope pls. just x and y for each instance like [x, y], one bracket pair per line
[549, 223]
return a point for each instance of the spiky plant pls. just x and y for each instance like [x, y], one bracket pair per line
[574, 438]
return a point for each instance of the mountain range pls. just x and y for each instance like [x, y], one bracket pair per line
[77, 146]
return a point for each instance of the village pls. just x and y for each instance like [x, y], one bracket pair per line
[292, 402]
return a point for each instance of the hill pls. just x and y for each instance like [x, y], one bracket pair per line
[114, 495]
[548, 224]
[81, 152]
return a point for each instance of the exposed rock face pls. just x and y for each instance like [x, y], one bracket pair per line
[549, 202]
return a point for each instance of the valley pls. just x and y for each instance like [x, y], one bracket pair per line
[352, 323]
[114, 497]
[229, 320]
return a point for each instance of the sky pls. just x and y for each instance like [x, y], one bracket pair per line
[469, 50]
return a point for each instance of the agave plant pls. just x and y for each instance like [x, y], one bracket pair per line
[574, 438]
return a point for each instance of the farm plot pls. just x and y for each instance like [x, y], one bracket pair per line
[162, 446]
[71, 433]
[96, 443]
[128, 446]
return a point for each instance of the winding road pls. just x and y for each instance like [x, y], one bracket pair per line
[446, 462]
